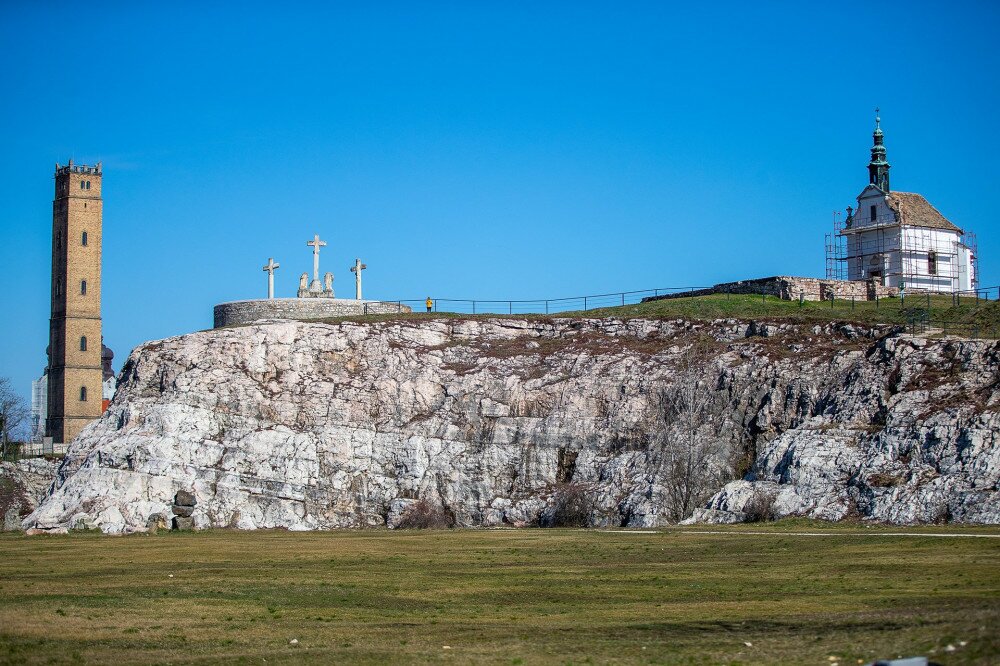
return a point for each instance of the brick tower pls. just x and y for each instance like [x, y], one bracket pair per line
[75, 375]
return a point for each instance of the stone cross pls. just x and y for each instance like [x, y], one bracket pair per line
[316, 244]
[270, 268]
[356, 269]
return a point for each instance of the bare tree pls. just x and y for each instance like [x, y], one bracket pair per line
[14, 415]
[697, 443]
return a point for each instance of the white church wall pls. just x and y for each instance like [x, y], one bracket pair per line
[965, 271]
[872, 196]
[918, 243]
[874, 250]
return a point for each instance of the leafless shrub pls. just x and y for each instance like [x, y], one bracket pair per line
[423, 515]
[14, 415]
[571, 507]
[760, 507]
[699, 450]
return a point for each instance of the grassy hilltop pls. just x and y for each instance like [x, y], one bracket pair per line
[679, 596]
[969, 317]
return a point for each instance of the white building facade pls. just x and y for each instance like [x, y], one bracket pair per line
[39, 406]
[900, 240]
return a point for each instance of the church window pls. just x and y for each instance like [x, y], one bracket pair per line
[83, 394]
[88, 184]
[932, 263]
[83, 287]
[83, 239]
[874, 214]
[83, 185]
[83, 343]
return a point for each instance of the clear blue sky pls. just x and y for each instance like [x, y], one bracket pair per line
[489, 150]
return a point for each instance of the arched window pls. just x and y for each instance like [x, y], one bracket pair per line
[88, 184]
[83, 239]
[83, 287]
[83, 185]
[83, 394]
[83, 343]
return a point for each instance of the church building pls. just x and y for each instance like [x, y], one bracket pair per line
[898, 239]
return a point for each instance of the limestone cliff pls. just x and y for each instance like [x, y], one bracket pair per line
[311, 426]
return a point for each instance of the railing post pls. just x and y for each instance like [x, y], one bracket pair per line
[473, 307]
[852, 303]
[510, 307]
[584, 303]
[623, 298]
[546, 306]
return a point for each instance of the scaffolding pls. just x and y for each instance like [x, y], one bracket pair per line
[899, 255]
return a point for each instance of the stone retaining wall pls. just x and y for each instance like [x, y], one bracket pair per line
[245, 312]
[791, 288]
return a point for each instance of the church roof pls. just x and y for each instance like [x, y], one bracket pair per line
[914, 210]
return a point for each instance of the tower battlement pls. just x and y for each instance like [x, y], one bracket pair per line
[83, 169]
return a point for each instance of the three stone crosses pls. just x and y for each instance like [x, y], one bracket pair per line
[315, 289]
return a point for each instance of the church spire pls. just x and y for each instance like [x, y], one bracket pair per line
[878, 168]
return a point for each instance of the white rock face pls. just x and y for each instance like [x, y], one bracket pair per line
[314, 426]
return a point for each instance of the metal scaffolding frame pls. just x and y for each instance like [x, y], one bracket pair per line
[895, 254]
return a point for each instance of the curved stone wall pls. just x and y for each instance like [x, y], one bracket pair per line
[245, 312]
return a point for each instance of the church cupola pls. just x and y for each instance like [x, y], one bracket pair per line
[878, 168]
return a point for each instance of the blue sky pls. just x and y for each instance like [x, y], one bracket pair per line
[474, 150]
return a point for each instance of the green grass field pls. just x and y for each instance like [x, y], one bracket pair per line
[969, 317]
[527, 596]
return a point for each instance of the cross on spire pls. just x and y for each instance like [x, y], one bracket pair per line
[356, 269]
[269, 269]
[316, 244]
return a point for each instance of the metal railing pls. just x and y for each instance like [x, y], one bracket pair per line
[18, 450]
[537, 305]
[620, 298]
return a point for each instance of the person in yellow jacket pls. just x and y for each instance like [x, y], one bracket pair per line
[429, 304]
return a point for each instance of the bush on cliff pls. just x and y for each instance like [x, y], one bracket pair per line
[423, 515]
[572, 506]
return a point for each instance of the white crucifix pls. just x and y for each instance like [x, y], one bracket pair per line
[269, 269]
[316, 244]
[356, 269]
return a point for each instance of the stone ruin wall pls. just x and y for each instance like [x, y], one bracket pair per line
[245, 312]
[790, 288]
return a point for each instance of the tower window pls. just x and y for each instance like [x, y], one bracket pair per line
[83, 185]
[83, 394]
[932, 263]
[83, 239]
[88, 184]
[83, 287]
[874, 214]
[83, 343]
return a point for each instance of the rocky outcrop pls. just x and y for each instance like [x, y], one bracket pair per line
[313, 426]
[932, 453]
[22, 485]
